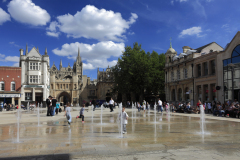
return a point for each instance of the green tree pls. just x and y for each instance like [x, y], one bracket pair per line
[137, 71]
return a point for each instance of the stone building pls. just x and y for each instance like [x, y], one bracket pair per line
[105, 83]
[182, 74]
[67, 83]
[10, 85]
[70, 85]
[34, 76]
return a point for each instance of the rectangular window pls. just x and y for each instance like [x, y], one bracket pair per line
[172, 76]
[34, 79]
[13, 86]
[178, 74]
[199, 70]
[2, 86]
[213, 67]
[205, 66]
[34, 66]
[28, 96]
[66, 85]
[61, 86]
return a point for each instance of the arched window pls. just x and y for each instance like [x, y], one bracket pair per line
[2, 86]
[180, 94]
[173, 95]
[12, 86]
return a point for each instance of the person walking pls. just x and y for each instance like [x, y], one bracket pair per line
[124, 120]
[68, 113]
[111, 102]
[48, 101]
[57, 108]
[159, 105]
[54, 103]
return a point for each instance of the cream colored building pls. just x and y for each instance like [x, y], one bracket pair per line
[182, 74]
[34, 76]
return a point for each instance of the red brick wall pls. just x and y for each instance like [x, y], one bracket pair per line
[11, 74]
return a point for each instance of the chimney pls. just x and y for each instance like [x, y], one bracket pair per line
[21, 52]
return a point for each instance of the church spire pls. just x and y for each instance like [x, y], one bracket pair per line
[37, 49]
[46, 51]
[78, 57]
[26, 50]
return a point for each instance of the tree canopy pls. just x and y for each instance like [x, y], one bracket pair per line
[139, 72]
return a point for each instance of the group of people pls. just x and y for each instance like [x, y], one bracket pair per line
[52, 106]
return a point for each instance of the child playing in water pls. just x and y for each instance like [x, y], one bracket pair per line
[124, 120]
[68, 113]
[82, 113]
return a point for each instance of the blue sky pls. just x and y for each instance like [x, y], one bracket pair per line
[103, 28]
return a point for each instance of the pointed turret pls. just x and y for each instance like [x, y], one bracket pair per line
[37, 49]
[60, 66]
[26, 50]
[46, 51]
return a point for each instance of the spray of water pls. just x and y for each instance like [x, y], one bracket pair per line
[202, 120]
[18, 115]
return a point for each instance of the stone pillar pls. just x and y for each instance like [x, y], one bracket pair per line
[176, 96]
[13, 101]
[202, 97]
[19, 101]
[33, 94]
[209, 92]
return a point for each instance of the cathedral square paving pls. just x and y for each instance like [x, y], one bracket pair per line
[173, 137]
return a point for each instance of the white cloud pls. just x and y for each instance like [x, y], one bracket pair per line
[12, 59]
[16, 64]
[14, 44]
[95, 55]
[25, 11]
[4, 1]
[4, 16]
[2, 55]
[53, 34]
[95, 23]
[191, 31]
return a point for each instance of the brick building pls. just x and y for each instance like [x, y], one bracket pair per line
[10, 85]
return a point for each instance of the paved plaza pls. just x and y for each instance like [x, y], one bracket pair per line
[174, 137]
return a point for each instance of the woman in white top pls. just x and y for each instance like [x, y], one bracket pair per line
[68, 113]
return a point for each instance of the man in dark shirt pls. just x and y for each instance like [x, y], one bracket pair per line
[54, 102]
[48, 101]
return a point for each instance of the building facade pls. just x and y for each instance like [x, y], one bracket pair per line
[105, 84]
[184, 73]
[10, 85]
[35, 81]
